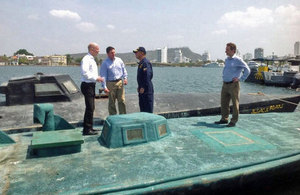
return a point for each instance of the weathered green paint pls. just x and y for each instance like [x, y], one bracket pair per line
[131, 129]
[44, 114]
[179, 161]
[232, 140]
[50, 139]
[52, 143]
[5, 139]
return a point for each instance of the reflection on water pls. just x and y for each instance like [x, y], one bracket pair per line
[165, 79]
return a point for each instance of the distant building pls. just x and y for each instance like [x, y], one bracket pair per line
[2, 63]
[178, 56]
[297, 48]
[247, 56]
[44, 60]
[158, 54]
[13, 61]
[25, 59]
[58, 60]
[259, 53]
[206, 56]
[55, 60]
[164, 55]
[28, 57]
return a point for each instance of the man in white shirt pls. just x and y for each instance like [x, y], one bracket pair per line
[89, 77]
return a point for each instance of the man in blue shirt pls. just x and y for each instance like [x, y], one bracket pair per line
[114, 73]
[235, 70]
[144, 77]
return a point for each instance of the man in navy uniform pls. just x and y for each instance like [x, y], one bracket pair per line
[144, 77]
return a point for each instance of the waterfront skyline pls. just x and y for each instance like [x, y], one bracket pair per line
[62, 27]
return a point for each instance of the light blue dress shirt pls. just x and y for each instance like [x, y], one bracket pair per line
[235, 67]
[112, 70]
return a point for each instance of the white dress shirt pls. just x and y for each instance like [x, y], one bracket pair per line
[89, 69]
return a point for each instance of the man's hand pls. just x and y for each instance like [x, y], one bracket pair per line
[142, 90]
[106, 90]
[125, 82]
[99, 79]
[235, 79]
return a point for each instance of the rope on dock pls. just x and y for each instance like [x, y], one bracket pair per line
[275, 98]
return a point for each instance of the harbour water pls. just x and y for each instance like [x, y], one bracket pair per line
[165, 79]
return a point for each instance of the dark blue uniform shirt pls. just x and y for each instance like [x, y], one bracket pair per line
[144, 76]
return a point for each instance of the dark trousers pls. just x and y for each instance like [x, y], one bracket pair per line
[146, 102]
[88, 90]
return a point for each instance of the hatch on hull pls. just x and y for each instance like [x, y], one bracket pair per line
[39, 88]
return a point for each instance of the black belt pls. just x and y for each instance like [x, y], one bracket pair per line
[115, 80]
[228, 82]
[91, 83]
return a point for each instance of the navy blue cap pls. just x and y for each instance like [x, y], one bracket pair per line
[142, 49]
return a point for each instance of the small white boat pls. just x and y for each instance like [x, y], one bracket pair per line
[213, 65]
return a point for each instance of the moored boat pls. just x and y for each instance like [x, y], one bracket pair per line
[213, 65]
[274, 73]
[280, 79]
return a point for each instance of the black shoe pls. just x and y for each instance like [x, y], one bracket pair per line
[91, 132]
[95, 129]
[231, 125]
[221, 122]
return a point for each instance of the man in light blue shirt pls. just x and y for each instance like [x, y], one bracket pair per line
[115, 77]
[235, 70]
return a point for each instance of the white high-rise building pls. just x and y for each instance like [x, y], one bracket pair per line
[297, 48]
[206, 56]
[259, 53]
[164, 55]
[178, 56]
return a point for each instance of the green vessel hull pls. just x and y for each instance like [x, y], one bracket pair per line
[198, 156]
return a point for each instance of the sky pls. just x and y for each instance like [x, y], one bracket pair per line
[67, 27]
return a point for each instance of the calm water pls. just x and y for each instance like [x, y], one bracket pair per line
[165, 79]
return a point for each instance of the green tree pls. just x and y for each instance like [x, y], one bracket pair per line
[98, 61]
[23, 51]
[23, 60]
[69, 59]
[78, 60]
[220, 61]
